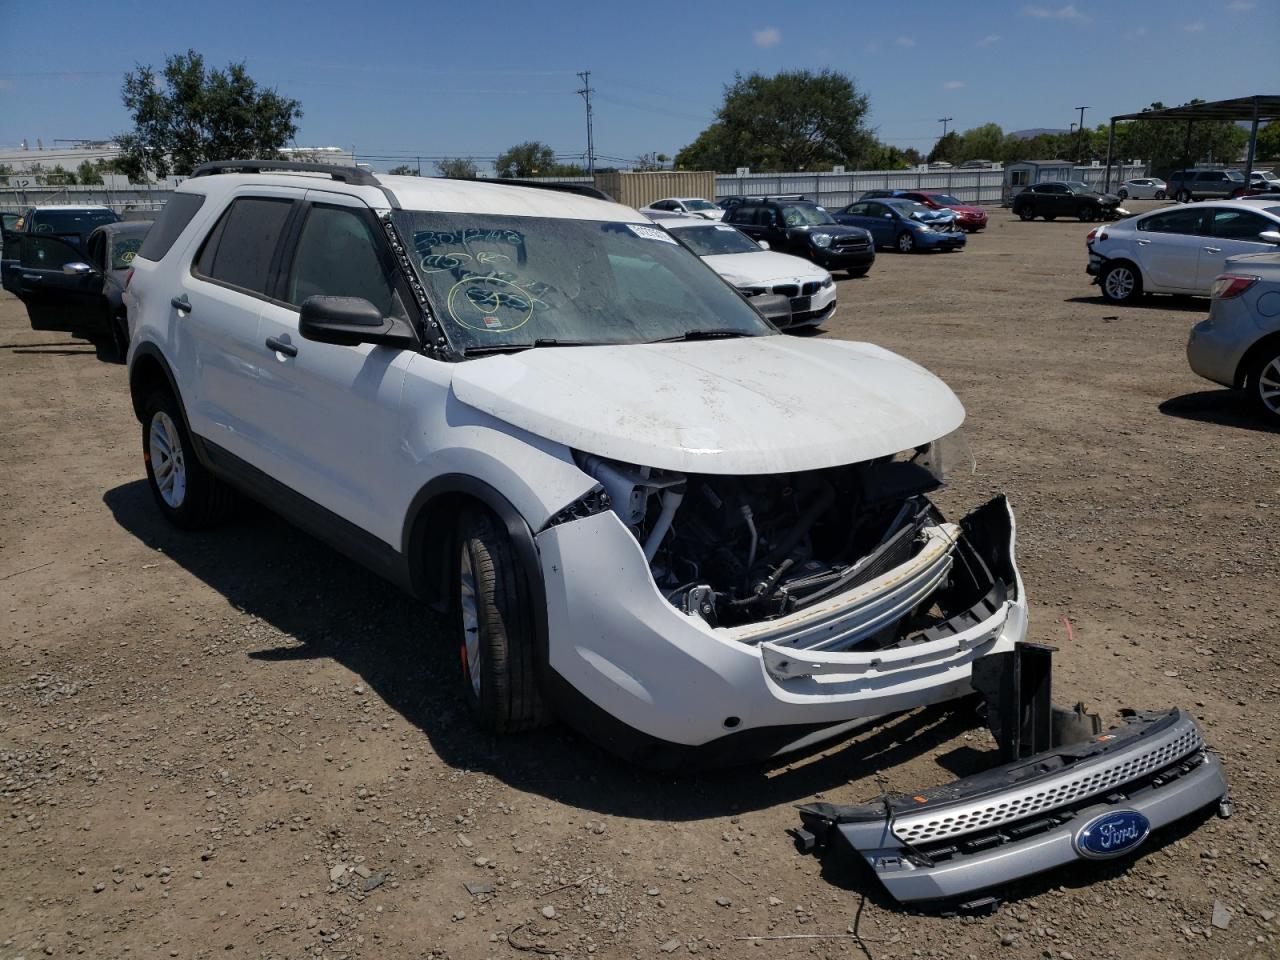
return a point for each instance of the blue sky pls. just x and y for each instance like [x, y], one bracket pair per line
[438, 78]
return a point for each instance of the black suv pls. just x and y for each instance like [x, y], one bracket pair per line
[803, 228]
[1201, 184]
[1065, 198]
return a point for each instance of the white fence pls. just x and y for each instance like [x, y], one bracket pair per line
[833, 190]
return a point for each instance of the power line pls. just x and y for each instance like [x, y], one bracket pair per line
[944, 121]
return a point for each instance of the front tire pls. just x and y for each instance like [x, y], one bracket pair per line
[1263, 383]
[1161, 195]
[189, 496]
[1122, 283]
[1123, 194]
[857, 272]
[496, 629]
[1183, 196]
[905, 243]
[1087, 213]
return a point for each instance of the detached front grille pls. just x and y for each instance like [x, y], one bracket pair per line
[787, 289]
[810, 288]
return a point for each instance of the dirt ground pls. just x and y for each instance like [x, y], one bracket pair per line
[241, 744]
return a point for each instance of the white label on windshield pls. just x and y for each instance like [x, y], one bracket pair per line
[726, 229]
[650, 233]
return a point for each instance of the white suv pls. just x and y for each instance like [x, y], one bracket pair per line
[649, 512]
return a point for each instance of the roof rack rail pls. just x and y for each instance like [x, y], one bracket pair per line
[582, 189]
[345, 174]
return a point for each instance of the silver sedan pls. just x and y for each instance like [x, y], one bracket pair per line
[1239, 344]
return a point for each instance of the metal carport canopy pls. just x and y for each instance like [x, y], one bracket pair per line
[1254, 109]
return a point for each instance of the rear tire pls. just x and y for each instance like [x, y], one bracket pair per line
[1121, 283]
[1123, 194]
[1050, 217]
[118, 329]
[1183, 196]
[1263, 383]
[1161, 195]
[1026, 213]
[496, 629]
[189, 496]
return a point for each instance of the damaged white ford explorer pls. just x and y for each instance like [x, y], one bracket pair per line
[651, 514]
[646, 510]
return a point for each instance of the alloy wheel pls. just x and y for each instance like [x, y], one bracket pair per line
[1119, 283]
[470, 620]
[1268, 386]
[905, 243]
[167, 461]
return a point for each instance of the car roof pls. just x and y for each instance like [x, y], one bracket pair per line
[434, 194]
[1250, 202]
[70, 206]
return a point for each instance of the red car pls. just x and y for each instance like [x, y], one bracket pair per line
[971, 218]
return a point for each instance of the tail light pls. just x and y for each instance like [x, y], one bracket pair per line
[1092, 233]
[1097, 233]
[1237, 193]
[1230, 285]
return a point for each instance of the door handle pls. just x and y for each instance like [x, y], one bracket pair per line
[1143, 243]
[279, 346]
[32, 277]
[181, 304]
[1212, 249]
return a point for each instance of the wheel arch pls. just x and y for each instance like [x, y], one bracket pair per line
[1270, 341]
[428, 539]
[149, 370]
[1128, 262]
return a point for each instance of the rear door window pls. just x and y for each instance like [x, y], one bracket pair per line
[240, 249]
[1184, 221]
[170, 223]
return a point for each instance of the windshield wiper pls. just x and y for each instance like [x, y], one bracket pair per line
[485, 349]
[703, 335]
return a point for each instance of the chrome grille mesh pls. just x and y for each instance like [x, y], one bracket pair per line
[1010, 805]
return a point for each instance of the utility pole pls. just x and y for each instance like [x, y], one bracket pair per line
[1080, 136]
[586, 93]
[944, 121]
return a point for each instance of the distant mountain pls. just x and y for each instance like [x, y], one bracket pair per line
[1035, 132]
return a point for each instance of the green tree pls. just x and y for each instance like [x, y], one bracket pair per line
[463, 168]
[793, 120]
[947, 149]
[1163, 144]
[981, 143]
[1268, 142]
[529, 159]
[404, 170]
[89, 173]
[187, 115]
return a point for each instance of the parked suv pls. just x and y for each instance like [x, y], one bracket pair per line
[1205, 184]
[67, 223]
[648, 511]
[1066, 198]
[803, 228]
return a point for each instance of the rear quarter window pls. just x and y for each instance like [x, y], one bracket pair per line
[173, 219]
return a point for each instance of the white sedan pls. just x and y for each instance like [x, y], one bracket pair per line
[1179, 249]
[1143, 188]
[754, 269]
[685, 207]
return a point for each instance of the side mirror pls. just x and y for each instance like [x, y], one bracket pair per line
[762, 244]
[348, 321]
[774, 307]
[77, 269]
[1270, 236]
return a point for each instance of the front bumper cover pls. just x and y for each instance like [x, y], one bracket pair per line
[1030, 815]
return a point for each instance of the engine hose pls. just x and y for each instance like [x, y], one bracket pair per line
[766, 589]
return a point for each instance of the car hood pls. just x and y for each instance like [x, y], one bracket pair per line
[965, 208]
[743, 269]
[1103, 197]
[836, 229]
[771, 404]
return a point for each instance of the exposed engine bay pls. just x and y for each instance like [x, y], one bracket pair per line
[742, 550]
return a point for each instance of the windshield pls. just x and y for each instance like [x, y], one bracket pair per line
[945, 199]
[123, 250]
[500, 281]
[699, 205]
[1078, 186]
[715, 239]
[804, 215]
[1235, 175]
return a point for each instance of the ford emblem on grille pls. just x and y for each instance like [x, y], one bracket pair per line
[1111, 834]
